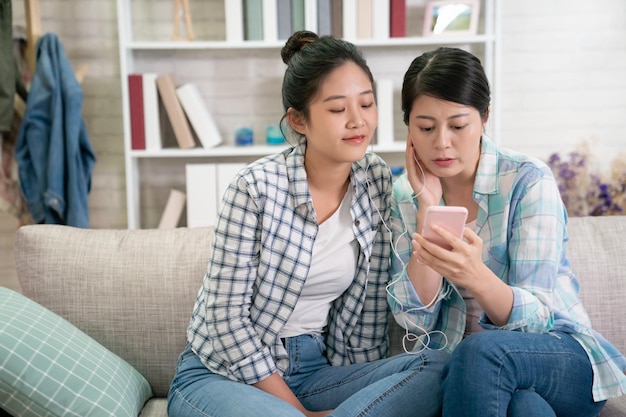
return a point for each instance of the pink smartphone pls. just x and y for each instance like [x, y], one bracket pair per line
[451, 218]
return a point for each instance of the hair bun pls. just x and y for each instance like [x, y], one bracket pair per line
[295, 43]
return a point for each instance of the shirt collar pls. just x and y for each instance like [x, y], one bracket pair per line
[486, 181]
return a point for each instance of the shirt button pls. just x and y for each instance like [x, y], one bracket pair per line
[357, 223]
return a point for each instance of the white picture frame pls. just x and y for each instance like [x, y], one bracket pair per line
[451, 18]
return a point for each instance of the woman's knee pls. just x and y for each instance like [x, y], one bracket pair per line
[427, 359]
[527, 402]
[477, 354]
[437, 359]
[472, 348]
[429, 365]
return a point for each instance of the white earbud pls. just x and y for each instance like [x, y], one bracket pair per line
[423, 175]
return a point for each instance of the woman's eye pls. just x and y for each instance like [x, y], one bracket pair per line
[426, 129]
[336, 110]
[458, 127]
[368, 105]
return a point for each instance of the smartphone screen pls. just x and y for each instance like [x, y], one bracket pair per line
[450, 218]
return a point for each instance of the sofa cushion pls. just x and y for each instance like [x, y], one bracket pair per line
[597, 253]
[49, 367]
[131, 290]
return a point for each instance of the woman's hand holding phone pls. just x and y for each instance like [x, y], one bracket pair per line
[450, 218]
[438, 247]
[431, 248]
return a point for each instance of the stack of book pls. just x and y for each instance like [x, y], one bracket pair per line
[159, 108]
[205, 186]
[272, 20]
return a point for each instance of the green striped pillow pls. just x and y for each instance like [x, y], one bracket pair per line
[48, 367]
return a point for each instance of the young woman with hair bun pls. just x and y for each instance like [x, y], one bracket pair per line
[292, 318]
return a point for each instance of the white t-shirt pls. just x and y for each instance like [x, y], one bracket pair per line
[332, 271]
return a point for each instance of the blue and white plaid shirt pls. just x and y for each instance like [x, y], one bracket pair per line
[261, 258]
[523, 225]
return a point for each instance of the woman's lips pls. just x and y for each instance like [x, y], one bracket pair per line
[444, 162]
[358, 139]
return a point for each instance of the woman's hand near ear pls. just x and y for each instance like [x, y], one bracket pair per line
[425, 184]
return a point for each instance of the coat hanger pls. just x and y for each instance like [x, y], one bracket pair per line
[33, 33]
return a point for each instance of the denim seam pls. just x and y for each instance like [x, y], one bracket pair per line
[391, 389]
[191, 405]
[339, 383]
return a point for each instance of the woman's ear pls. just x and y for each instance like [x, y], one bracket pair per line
[485, 118]
[296, 120]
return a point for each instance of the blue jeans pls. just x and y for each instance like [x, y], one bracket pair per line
[403, 385]
[509, 373]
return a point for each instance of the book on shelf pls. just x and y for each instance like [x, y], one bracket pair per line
[135, 100]
[324, 18]
[310, 16]
[270, 20]
[384, 104]
[364, 17]
[253, 20]
[233, 16]
[200, 118]
[200, 180]
[206, 186]
[173, 210]
[380, 19]
[336, 16]
[297, 15]
[397, 18]
[151, 114]
[166, 85]
[168, 137]
[284, 19]
[349, 24]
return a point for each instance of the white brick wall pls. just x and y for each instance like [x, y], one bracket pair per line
[563, 75]
[563, 67]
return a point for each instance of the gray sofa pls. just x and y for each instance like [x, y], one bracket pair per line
[133, 290]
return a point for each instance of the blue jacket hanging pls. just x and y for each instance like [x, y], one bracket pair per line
[54, 156]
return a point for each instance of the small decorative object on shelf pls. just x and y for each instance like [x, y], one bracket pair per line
[585, 189]
[244, 137]
[451, 17]
[184, 11]
[396, 171]
[274, 136]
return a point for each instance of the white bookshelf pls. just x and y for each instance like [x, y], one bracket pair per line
[388, 58]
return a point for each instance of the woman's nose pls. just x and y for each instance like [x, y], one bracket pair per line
[442, 139]
[356, 119]
[357, 123]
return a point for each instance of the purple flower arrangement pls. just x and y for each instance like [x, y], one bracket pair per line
[586, 191]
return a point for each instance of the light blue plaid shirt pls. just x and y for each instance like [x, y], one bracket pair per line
[523, 225]
[261, 258]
